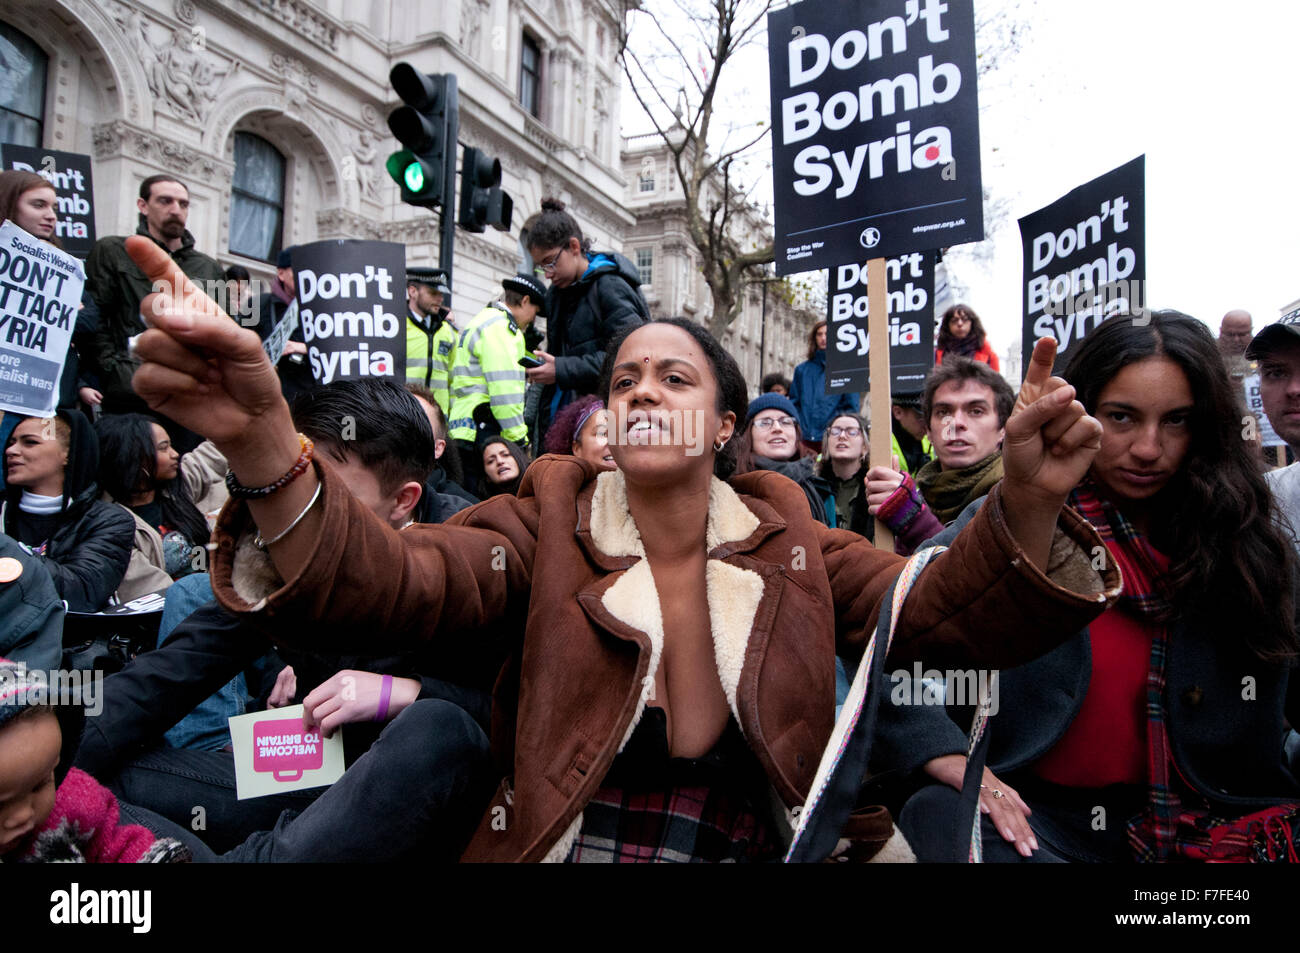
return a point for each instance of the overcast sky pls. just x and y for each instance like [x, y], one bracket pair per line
[1206, 91]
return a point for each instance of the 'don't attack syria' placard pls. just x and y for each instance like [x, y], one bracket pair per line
[40, 295]
[352, 308]
[910, 305]
[875, 130]
[1085, 259]
[69, 173]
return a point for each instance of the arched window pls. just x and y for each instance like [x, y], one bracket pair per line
[257, 200]
[22, 88]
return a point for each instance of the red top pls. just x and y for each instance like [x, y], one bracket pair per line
[1107, 741]
[984, 355]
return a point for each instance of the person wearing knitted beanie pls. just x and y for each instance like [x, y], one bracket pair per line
[49, 813]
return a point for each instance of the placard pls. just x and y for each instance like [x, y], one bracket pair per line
[875, 130]
[69, 173]
[352, 308]
[1085, 259]
[40, 294]
[911, 324]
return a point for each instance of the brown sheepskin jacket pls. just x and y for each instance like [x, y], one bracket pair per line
[548, 596]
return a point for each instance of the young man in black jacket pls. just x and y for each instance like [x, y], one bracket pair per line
[384, 457]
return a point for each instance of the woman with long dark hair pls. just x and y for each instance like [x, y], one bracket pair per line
[504, 464]
[962, 333]
[1169, 713]
[139, 469]
[657, 638]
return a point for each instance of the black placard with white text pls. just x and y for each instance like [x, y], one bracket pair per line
[69, 173]
[1085, 259]
[910, 306]
[875, 130]
[352, 308]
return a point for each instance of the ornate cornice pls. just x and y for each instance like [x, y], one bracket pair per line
[303, 18]
[120, 138]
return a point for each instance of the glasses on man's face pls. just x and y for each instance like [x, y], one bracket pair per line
[767, 423]
[548, 267]
[846, 431]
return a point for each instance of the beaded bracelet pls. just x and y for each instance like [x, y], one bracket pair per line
[241, 492]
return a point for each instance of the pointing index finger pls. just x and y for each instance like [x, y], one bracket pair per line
[161, 269]
[1040, 364]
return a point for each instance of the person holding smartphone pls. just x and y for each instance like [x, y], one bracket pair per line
[487, 380]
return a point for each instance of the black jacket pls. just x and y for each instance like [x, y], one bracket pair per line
[581, 321]
[159, 688]
[88, 551]
[294, 371]
[1226, 733]
[442, 498]
[118, 286]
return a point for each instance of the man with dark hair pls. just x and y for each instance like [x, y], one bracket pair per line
[966, 405]
[1277, 350]
[118, 286]
[374, 436]
[444, 495]
[430, 333]
[775, 383]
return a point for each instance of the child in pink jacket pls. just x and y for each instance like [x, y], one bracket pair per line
[42, 820]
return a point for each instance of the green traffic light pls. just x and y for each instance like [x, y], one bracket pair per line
[414, 177]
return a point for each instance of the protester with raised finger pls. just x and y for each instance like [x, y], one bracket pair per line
[561, 585]
[1156, 734]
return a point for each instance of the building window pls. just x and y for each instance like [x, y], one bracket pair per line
[257, 201]
[22, 88]
[646, 183]
[645, 265]
[530, 76]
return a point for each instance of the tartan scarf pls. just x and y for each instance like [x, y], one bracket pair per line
[1177, 824]
[1152, 833]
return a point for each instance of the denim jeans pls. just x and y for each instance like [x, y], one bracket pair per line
[418, 793]
[205, 728]
[196, 791]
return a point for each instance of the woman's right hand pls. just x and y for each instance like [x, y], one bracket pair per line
[199, 367]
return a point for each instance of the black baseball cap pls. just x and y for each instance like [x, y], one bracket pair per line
[1287, 329]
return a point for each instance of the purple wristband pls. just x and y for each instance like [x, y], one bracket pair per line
[385, 693]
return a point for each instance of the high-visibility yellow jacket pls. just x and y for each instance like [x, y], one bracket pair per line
[429, 353]
[486, 370]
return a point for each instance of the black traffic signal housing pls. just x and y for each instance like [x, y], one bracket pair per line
[422, 125]
[482, 202]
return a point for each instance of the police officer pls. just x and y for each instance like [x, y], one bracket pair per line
[487, 383]
[430, 333]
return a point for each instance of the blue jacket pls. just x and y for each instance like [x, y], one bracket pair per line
[815, 406]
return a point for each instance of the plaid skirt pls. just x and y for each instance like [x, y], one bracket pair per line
[656, 809]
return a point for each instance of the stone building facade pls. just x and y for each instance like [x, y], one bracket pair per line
[277, 109]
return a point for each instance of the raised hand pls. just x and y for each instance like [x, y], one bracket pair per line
[199, 367]
[1050, 439]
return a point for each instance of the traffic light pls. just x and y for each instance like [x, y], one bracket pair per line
[421, 126]
[482, 202]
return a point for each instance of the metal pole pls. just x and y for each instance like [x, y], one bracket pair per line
[447, 221]
[762, 337]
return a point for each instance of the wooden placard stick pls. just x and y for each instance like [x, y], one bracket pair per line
[878, 362]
